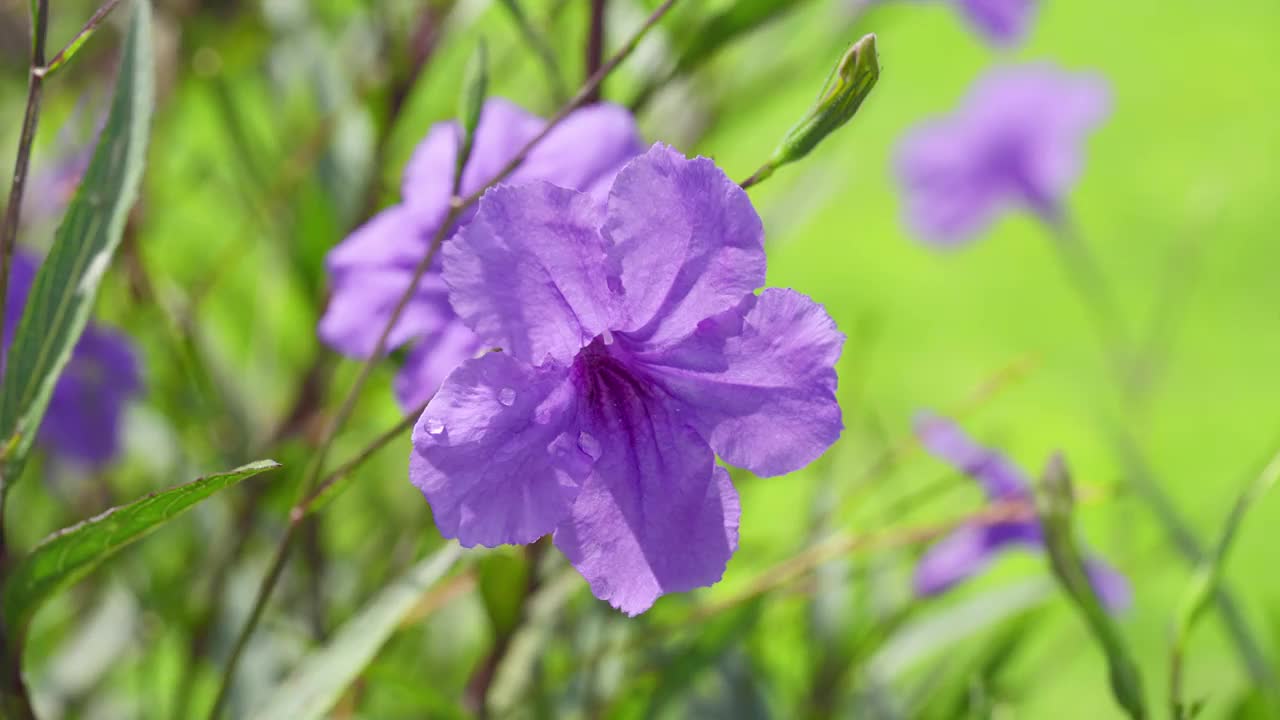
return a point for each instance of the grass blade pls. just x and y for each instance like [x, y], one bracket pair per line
[1204, 584]
[323, 676]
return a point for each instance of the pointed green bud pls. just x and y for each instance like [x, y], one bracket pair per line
[475, 85]
[848, 85]
[1057, 504]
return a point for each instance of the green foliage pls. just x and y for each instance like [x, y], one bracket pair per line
[67, 284]
[71, 553]
[1204, 584]
[322, 677]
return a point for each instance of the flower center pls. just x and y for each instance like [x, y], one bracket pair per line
[610, 381]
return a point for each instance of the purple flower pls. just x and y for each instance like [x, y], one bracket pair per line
[372, 267]
[1015, 142]
[634, 350]
[82, 422]
[1001, 22]
[968, 550]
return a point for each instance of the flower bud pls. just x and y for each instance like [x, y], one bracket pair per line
[846, 87]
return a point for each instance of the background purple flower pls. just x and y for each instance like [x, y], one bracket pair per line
[969, 549]
[1001, 22]
[1015, 142]
[370, 270]
[82, 422]
[634, 350]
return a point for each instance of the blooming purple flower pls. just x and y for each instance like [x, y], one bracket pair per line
[1015, 142]
[82, 421]
[1001, 22]
[968, 550]
[633, 350]
[371, 269]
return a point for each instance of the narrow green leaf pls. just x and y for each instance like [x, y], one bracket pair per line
[323, 676]
[537, 42]
[1145, 484]
[722, 29]
[64, 289]
[1057, 505]
[71, 553]
[1204, 584]
[475, 85]
[504, 581]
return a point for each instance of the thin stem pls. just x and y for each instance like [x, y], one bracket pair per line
[30, 120]
[1096, 294]
[595, 44]
[315, 500]
[536, 42]
[65, 54]
[14, 700]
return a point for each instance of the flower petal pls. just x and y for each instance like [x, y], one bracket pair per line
[583, 152]
[656, 516]
[527, 274]
[968, 550]
[396, 237]
[363, 301]
[1113, 589]
[586, 150]
[504, 128]
[947, 196]
[431, 360]
[1001, 479]
[686, 243]
[82, 422]
[1003, 22]
[496, 454]
[759, 381]
[955, 558]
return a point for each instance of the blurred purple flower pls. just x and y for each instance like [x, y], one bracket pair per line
[82, 422]
[1015, 142]
[633, 351]
[969, 549]
[370, 270]
[1001, 22]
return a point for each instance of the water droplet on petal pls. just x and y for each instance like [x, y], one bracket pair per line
[588, 444]
[434, 426]
[507, 396]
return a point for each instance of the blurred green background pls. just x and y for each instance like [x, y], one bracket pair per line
[282, 124]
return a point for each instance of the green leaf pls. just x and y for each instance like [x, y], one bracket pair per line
[1204, 584]
[1057, 508]
[719, 30]
[475, 85]
[64, 289]
[504, 582]
[1150, 488]
[323, 676]
[71, 553]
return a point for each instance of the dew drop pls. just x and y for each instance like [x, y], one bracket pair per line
[434, 426]
[588, 444]
[507, 396]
